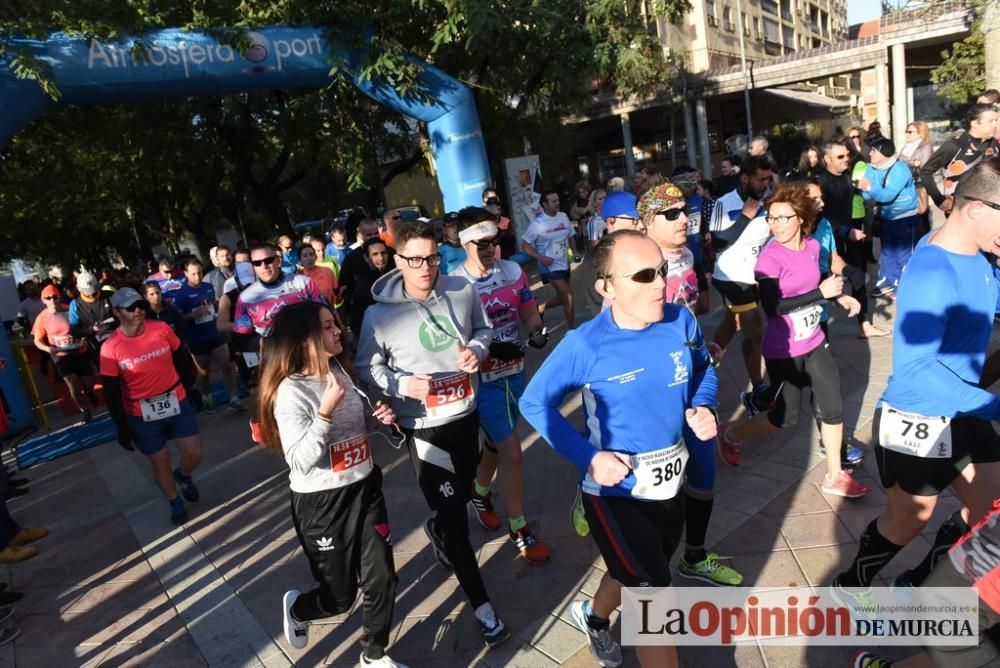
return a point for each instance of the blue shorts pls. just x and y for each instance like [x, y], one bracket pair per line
[558, 275]
[701, 462]
[151, 437]
[497, 402]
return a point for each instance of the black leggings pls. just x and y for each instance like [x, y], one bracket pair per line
[793, 374]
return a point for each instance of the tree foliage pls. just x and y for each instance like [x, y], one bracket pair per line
[122, 177]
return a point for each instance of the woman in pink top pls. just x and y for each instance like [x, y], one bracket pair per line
[795, 349]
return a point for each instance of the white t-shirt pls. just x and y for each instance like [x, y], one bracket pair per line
[737, 261]
[550, 235]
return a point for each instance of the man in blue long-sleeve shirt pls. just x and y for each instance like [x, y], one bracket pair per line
[647, 380]
[932, 425]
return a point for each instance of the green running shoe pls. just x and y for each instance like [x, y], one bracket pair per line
[711, 571]
[578, 517]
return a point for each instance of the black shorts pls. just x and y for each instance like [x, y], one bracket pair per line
[974, 441]
[205, 348]
[636, 538]
[739, 297]
[74, 363]
[986, 653]
[560, 275]
[446, 458]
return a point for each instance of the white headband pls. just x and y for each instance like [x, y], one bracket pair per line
[484, 230]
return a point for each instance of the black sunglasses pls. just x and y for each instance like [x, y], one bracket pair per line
[993, 205]
[670, 214]
[266, 260]
[647, 275]
[483, 244]
[134, 306]
[50, 298]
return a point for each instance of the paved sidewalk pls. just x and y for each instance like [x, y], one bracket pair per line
[117, 584]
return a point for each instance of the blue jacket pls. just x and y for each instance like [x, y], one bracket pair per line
[892, 189]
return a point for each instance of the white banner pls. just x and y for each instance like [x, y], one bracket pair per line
[714, 616]
[524, 183]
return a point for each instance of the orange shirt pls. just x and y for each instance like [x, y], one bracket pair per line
[325, 280]
[54, 329]
[144, 363]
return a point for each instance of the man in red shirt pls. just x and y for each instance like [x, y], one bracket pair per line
[146, 375]
[53, 335]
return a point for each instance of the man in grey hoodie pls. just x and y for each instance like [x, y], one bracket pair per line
[421, 344]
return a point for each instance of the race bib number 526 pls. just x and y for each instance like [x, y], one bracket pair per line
[452, 392]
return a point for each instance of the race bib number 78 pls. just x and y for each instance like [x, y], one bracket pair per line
[914, 434]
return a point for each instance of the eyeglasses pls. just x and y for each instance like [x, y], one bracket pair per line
[993, 205]
[50, 298]
[483, 244]
[671, 214]
[262, 262]
[840, 156]
[417, 262]
[780, 220]
[647, 275]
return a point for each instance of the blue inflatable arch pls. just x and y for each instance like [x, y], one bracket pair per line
[175, 63]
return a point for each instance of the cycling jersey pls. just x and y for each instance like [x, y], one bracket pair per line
[550, 235]
[944, 317]
[681, 281]
[736, 261]
[504, 290]
[636, 387]
[260, 302]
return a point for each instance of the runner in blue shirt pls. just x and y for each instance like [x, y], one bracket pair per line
[646, 376]
[195, 299]
[932, 426]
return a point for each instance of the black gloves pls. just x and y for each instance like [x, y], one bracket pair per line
[538, 337]
[505, 351]
[125, 439]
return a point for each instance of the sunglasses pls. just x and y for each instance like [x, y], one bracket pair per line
[50, 298]
[840, 156]
[855, 136]
[993, 205]
[645, 276]
[266, 260]
[483, 244]
[670, 215]
[135, 306]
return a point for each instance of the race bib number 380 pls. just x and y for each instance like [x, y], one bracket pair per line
[658, 474]
[914, 434]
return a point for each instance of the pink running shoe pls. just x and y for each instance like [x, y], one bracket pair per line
[844, 485]
[728, 450]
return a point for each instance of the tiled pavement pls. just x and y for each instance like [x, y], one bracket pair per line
[116, 584]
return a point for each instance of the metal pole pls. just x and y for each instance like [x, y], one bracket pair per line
[743, 68]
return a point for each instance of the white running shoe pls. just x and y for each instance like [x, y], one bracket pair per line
[296, 632]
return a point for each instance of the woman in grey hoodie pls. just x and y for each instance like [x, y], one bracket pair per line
[309, 411]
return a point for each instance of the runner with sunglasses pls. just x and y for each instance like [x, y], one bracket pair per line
[508, 301]
[147, 375]
[664, 215]
[257, 305]
[421, 344]
[309, 413]
[645, 374]
[795, 348]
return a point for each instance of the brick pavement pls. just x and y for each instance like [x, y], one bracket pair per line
[116, 584]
